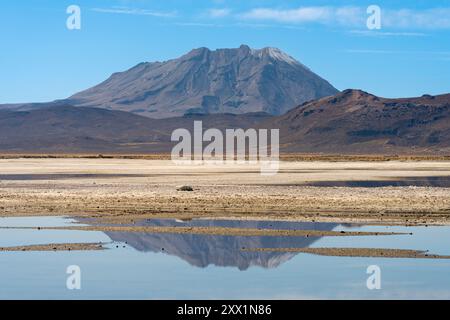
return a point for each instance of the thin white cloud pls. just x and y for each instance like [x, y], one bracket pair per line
[435, 18]
[300, 15]
[381, 34]
[219, 13]
[344, 16]
[236, 25]
[198, 24]
[350, 16]
[371, 51]
[134, 11]
[324, 15]
[443, 54]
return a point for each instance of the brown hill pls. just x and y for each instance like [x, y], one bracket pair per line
[350, 122]
[357, 122]
[68, 129]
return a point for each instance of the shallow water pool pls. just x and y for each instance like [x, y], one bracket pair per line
[184, 266]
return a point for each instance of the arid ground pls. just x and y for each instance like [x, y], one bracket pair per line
[128, 189]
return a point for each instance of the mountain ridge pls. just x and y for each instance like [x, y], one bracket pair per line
[355, 121]
[237, 80]
[351, 122]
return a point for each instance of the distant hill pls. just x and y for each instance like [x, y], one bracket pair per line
[350, 122]
[357, 122]
[63, 128]
[240, 80]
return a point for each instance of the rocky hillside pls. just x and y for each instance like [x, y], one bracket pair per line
[357, 122]
[237, 81]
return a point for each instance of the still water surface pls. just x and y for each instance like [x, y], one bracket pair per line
[183, 266]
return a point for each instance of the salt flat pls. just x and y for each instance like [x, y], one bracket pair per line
[133, 188]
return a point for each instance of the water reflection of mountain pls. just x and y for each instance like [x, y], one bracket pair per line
[204, 250]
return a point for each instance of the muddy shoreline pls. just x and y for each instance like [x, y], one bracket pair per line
[357, 252]
[56, 247]
[221, 231]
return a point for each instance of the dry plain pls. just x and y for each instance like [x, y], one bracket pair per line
[124, 190]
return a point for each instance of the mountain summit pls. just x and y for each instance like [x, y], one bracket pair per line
[239, 80]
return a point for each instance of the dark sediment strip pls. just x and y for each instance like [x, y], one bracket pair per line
[357, 252]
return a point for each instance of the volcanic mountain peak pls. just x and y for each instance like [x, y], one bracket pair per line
[244, 51]
[238, 80]
[275, 54]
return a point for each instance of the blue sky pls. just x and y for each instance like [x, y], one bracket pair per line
[41, 60]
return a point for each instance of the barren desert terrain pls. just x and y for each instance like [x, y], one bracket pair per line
[123, 190]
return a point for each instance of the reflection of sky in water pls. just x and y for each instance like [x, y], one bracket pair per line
[17, 237]
[435, 239]
[131, 273]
